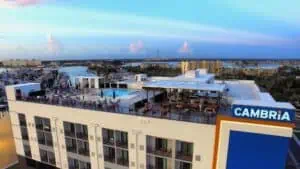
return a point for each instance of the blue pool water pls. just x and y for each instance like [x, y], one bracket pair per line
[119, 92]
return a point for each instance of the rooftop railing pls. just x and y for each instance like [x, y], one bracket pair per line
[194, 117]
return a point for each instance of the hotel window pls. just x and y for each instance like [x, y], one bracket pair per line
[109, 154]
[78, 164]
[69, 129]
[183, 165]
[122, 157]
[77, 138]
[47, 157]
[43, 129]
[122, 139]
[27, 151]
[83, 148]
[184, 150]
[161, 163]
[24, 133]
[71, 145]
[43, 124]
[22, 120]
[73, 163]
[108, 136]
[81, 131]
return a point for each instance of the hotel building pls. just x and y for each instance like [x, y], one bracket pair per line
[191, 121]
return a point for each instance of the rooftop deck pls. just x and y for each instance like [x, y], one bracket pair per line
[200, 110]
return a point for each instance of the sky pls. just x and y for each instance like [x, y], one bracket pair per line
[106, 29]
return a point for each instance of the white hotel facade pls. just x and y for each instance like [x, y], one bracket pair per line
[190, 121]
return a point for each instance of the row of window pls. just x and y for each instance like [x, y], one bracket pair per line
[163, 147]
[115, 145]
[77, 164]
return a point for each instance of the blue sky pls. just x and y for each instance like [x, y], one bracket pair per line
[93, 29]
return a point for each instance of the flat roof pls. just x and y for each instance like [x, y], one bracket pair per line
[191, 85]
[25, 84]
[242, 90]
[264, 103]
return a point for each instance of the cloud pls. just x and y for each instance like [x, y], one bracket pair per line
[124, 25]
[54, 46]
[18, 3]
[136, 47]
[185, 48]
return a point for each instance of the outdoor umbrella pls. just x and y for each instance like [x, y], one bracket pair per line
[101, 93]
[114, 94]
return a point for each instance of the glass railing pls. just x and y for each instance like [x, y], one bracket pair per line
[161, 152]
[194, 117]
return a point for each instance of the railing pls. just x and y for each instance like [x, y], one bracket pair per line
[108, 141]
[23, 123]
[84, 152]
[28, 153]
[82, 135]
[71, 149]
[70, 134]
[184, 156]
[109, 158]
[122, 144]
[44, 158]
[72, 103]
[154, 167]
[123, 161]
[52, 161]
[160, 152]
[25, 137]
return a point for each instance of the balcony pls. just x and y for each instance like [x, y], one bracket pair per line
[184, 156]
[183, 165]
[71, 149]
[123, 162]
[23, 123]
[154, 167]
[25, 137]
[83, 151]
[42, 141]
[28, 153]
[44, 158]
[109, 158]
[122, 143]
[160, 152]
[82, 135]
[69, 133]
[52, 161]
[108, 141]
[39, 126]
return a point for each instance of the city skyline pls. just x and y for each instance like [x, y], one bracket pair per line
[92, 30]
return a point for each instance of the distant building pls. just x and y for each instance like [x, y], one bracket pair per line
[21, 62]
[211, 66]
[251, 70]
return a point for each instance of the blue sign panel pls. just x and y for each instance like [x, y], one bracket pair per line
[256, 151]
[263, 113]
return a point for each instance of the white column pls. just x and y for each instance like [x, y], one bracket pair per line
[60, 144]
[96, 152]
[34, 145]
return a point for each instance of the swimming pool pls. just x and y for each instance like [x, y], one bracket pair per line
[118, 92]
